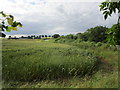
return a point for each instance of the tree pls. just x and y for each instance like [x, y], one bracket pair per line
[97, 34]
[83, 36]
[29, 37]
[70, 36]
[7, 23]
[9, 37]
[56, 36]
[36, 37]
[108, 8]
[42, 35]
[46, 36]
[33, 37]
[114, 36]
[39, 36]
[49, 36]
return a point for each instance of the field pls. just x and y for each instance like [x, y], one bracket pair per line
[45, 64]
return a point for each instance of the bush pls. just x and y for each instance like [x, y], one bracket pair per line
[77, 41]
[98, 44]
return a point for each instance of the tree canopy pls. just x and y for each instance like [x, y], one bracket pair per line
[97, 34]
[56, 36]
[114, 35]
[108, 8]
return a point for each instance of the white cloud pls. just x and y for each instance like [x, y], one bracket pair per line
[74, 0]
[57, 30]
[55, 16]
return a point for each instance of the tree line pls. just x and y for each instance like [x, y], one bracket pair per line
[33, 36]
[95, 34]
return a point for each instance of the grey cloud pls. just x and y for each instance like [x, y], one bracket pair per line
[72, 22]
[61, 9]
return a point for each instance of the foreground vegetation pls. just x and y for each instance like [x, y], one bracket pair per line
[37, 63]
[79, 64]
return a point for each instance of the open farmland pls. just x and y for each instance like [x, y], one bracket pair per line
[40, 64]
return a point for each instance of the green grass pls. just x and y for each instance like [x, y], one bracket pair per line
[40, 64]
[45, 61]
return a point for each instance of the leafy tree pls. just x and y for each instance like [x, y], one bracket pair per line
[70, 36]
[74, 37]
[29, 37]
[42, 35]
[49, 36]
[45, 35]
[9, 37]
[62, 36]
[7, 23]
[33, 37]
[97, 34]
[39, 36]
[83, 36]
[108, 8]
[36, 37]
[114, 35]
[56, 36]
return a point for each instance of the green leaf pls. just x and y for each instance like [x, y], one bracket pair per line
[101, 7]
[105, 16]
[3, 26]
[105, 8]
[114, 10]
[11, 17]
[110, 11]
[19, 24]
[105, 12]
[14, 28]
[3, 22]
[3, 14]
[10, 21]
[14, 24]
[8, 29]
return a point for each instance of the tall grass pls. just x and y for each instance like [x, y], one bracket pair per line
[32, 60]
[43, 62]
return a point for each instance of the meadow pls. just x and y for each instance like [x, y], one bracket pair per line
[46, 64]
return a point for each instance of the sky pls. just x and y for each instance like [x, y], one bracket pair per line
[55, 16]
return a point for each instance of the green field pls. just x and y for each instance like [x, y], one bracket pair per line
[45, 64]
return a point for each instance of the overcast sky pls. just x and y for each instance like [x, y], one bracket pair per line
[55, 16]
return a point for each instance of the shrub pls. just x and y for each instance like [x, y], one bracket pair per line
[98, 44]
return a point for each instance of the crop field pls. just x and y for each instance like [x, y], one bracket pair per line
[45, 64]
